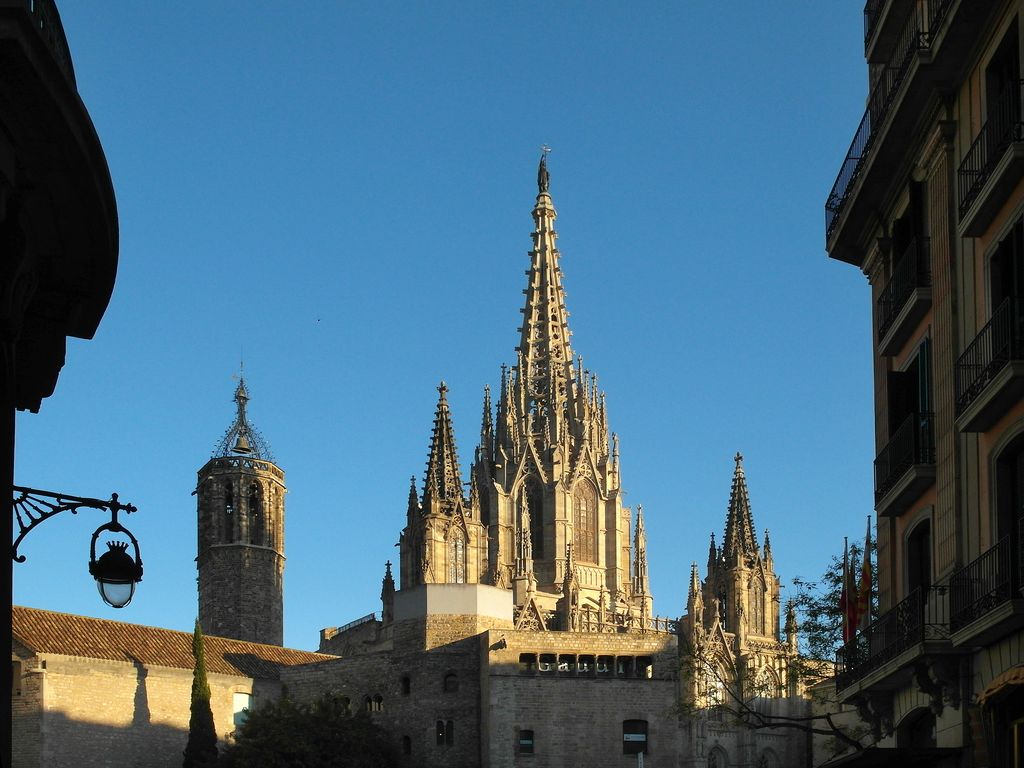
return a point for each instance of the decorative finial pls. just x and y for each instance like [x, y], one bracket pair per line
[442, 388]
[543, 178]
[738, 458]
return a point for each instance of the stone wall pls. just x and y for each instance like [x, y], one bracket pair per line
[107, 713]
[416, 689]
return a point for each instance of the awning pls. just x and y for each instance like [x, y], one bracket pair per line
[1000, 685]
[877, 757]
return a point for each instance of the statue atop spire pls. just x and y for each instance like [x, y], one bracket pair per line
[543, 177]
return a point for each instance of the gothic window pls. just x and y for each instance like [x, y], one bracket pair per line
[722, 605]
[717, 759]
[456, 556]
[531, 501]
[756, 606]
[584, 502]
[255, 516]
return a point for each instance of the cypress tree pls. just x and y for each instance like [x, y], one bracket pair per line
[201, 749]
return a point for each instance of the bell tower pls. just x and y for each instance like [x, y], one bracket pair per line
[240, 494]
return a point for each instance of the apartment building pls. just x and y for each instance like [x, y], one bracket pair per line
[929, 203]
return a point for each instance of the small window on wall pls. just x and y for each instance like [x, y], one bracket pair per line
[585, 665]
[645, 667]
[241, 703]
[525, 742]
[605, 666]
[548, 663]
[451, 683]
[445, 733]
[634, 737]
[406, 745]
[406, 686]
[15, 678]
[527, 663]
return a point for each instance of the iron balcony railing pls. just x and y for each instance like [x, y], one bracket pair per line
[984, 584]
[872, 12]
[913, 270]
[922, 616]
[1003, 127]
[1001, 340]
[912, 443]
[921, 29]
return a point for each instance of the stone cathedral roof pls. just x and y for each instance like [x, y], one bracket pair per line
[69, 635]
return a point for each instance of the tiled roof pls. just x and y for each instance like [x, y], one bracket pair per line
[69, 635]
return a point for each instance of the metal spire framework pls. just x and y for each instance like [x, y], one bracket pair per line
[242, 439]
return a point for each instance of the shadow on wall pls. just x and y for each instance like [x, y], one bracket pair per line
[66, 742]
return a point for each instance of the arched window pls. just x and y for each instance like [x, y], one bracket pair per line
[456, 556]
[229, 512]
[256, 526]
[718, 759]
[531, 500]
[378, 703]
[756, 593]
[451, 683]
[584, 502]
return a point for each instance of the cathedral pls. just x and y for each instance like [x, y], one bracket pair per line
[524, 590]
[522, 630]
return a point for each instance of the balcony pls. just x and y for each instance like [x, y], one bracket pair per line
[905, 468]
[985, 598]
[990, 373]
[906, 298]
[925, 57]
[993, 165]
[883, 655]
[883, 21]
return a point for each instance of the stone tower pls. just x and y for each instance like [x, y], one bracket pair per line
[240, 495]
[545, 506]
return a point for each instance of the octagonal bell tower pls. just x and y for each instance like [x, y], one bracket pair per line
[240, 496]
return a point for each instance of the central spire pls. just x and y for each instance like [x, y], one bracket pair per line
[545, 357]
[740, 538]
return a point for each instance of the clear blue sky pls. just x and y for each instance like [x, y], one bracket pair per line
[341, 192]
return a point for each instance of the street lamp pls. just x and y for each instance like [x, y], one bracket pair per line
[116, 571]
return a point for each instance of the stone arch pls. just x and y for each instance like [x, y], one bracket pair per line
[768, 684]
[768, 759]
[257, 520]
[585, 521]
[718, 757]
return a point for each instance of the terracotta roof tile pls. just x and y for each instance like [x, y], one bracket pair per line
[69, 635]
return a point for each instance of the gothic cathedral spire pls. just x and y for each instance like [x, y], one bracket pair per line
[740, 536]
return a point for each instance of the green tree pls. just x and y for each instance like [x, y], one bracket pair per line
[201, 748]
[322, 733]
[817, 605]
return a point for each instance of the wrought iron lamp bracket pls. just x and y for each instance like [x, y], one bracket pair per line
[33, 507]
